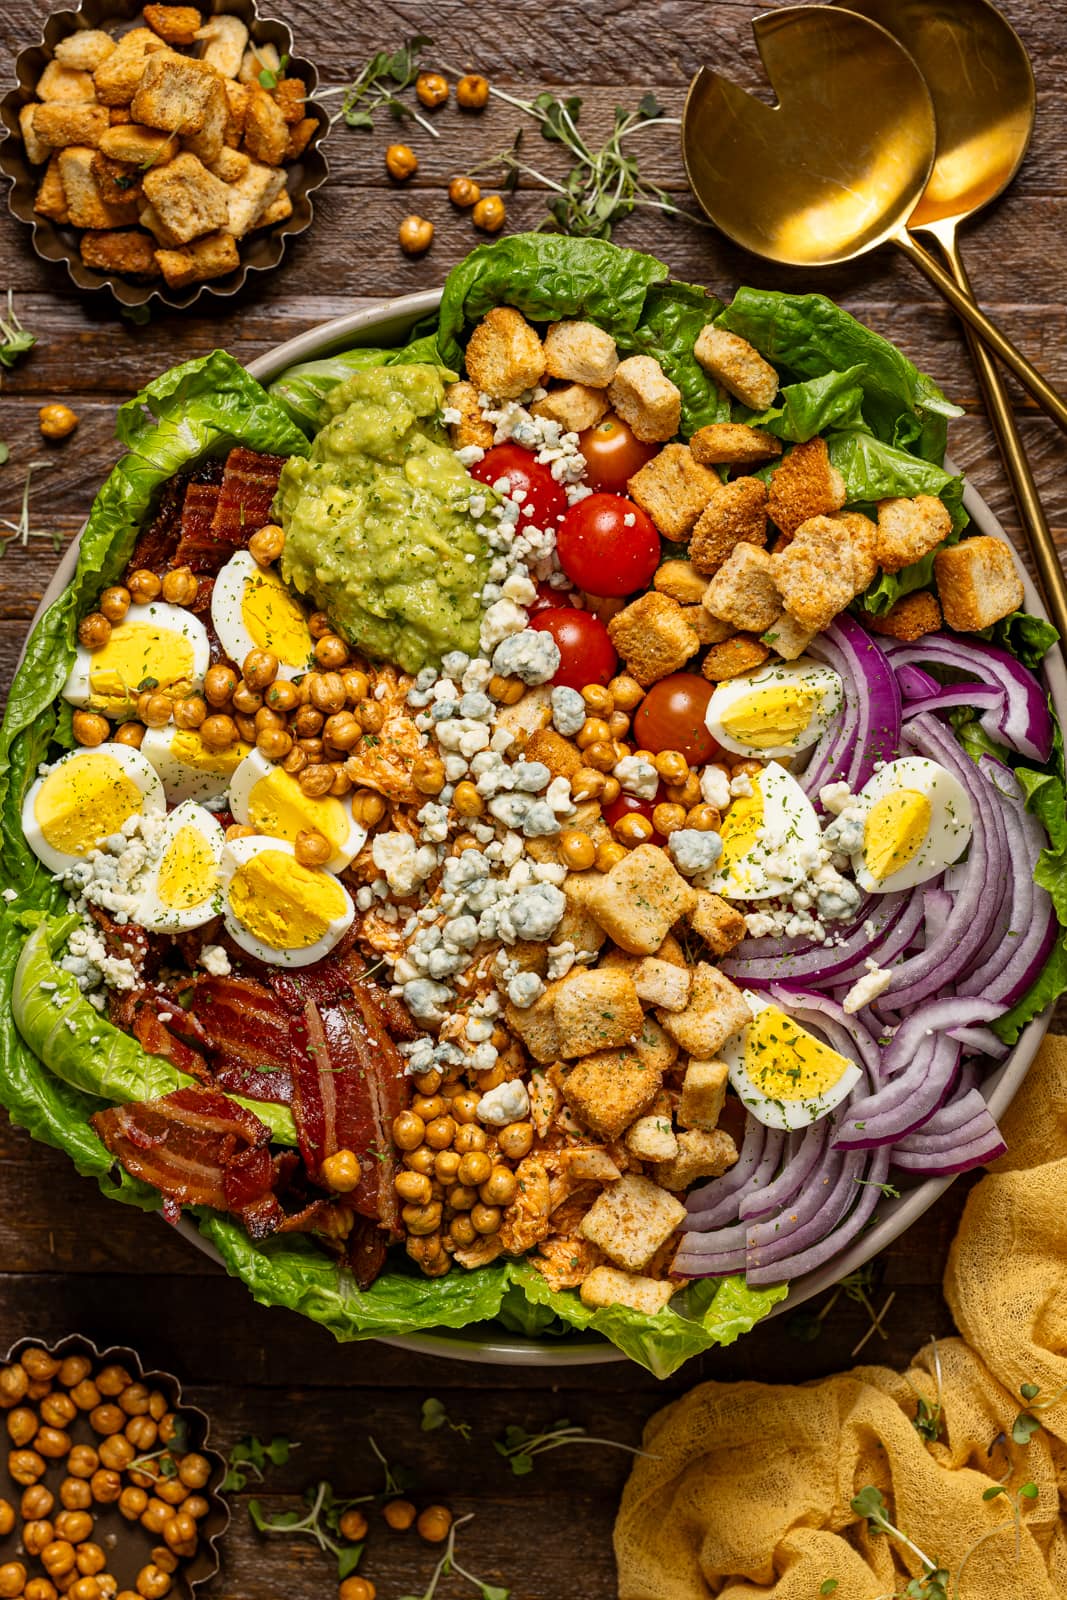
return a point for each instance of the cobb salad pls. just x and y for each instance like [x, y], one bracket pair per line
[542, 823]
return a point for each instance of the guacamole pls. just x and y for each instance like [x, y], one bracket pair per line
[377, 527]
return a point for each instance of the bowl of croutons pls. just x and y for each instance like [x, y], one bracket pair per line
[163, 151]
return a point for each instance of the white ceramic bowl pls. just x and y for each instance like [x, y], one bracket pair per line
[389, 322]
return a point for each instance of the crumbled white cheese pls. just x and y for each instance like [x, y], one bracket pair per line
[214, 959]
[637, 777]
[694, 850]
[715, 787]
[569, 712]
[868, 988]
[528, 655]
[508, 1102]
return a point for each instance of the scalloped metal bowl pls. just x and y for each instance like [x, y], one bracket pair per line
[260, 252]
[390, 322]
[205, 1564]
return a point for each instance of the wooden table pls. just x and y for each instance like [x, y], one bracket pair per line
[70, 1259]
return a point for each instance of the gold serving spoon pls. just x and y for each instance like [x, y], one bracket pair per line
[979, 76]
[837, 166]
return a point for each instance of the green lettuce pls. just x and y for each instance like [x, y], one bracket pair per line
[1028, 638]
[673, 315]
[302, 389]
[803, 410]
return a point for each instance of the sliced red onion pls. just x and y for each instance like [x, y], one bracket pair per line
[804, 1157]
[868, 729]
[986, 1145]
[1023, 722]
[792, 962]
[937, 908]
[716, 1202]
[980, 1042]
[983, 697]
[915, 684]
[808, 1257]
[831, 1190]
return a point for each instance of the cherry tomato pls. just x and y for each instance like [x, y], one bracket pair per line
[587, 654]
[612, 454]
[671, 717]
[549, 599]
[547, 498]
[607, 545]
[627, 804]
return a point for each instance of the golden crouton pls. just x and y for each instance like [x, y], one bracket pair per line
[674, 489]
[651, 1138]
[229, 165]
[646, 399]
[562, 758]
[577, 923]
[817, 572]
[51, 198]
[863, 537]
[536, 1026]
[291, 95]
[596, 1010]
[700, 1155]
[138, 145]
[149, 218]
[116, 180]
[300, 137]
[118, 78]
[655, 1049]
[199, 261]
[737, 366]
[661, 983]
[238, 98]
[908, 619]
[708, 629]
[120, 250]
[37, 153]
[189, 200]
[66, 122]
[209, 141]
[175, 24]
[721, 926]
[680, 581]
[735, 514]
[716, 1011]
[703, 1094]
[249, 197]
[575, 408]
[733, 444]
[640, 899]
[608, 1089]
[85, 50]
[58, 82]
[581, 353]
[743, 591]
[631, 1220]
[504, 355]
[978, 582]
[653, 637]
[223, 39]
[910, 529]
[266, 130]
[87, 208]
[805, 485]
[176, 93]
[788, 638]
[279, 210]
[606, 1286]
[734, 657]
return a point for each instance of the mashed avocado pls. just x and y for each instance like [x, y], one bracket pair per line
[377, 530]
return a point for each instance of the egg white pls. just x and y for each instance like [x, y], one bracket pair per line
[802, 677]
[322, 815]
[154, 912]
[236, 853]
[132, 766]
[78, 689]
[238, 634]
[782, 857]
[186, 769]
[744, 1057]
[946, 836]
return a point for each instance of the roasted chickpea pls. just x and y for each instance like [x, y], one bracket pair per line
[413, 1188]
[685, 794]
[180, 1530]
[75, 1494]
[143, 586]
[141, 1433]
[281, 697]
[106, 1486]
[587, 784]
[266, 544]
[164, 1558]
[308, 722]
[464, 1106]
[246, 727]
[608, 854]
[219, 684]
[415, 235]
[89, 728]
[56, 422]
[196, 1506]
[40, 1589]
[130, 733]
[52, 1443]
[154, 709]
[247, 700]
[515, 1140]
[57, 1558]
[421, 1220]
[505, 691]
[368, 808]
[117, 1452]
[446, 1167]
[260, 668]
[356, 1588]
[157, 1405]
[94, 631]
[331, 651]
[194, 1470]
[469, 1137]
[21, 1425]
[83, 1460]
[13, 1573]
[401, 162]
[634, 828]
[440, 1131]
[486, 1219]
[152, 1582]
[472, 91]
[155, 1515]
[420, 1160]
[274, 743]
[14, 1382]
[25, 1466]
[667, 819]
[489, 214]
[433, 1524]
[115, 602]
[89, 1560]
[342, 731]
[428, 774]
[7, 1518]
[36, 1504]
[672, 766]
[180, 586]
[704, 818]
[85, 1589]
[218, 732]
[474, 1168]
[428, 1106]
[399, 1514]
[500, 1188]
[74, 1526]
[132, 1503]
[618, 725]
[326, 691]
[577, 849]
[370, 715]
[312, 849]
[408, 1131]
[431, 89]
[341, 1172]
[315, 780]
[353, 1526]
[466, 800]
[190, 712]
[601, 756]
[464, 192]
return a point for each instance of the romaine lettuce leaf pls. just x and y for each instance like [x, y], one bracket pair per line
[804, 409]
[1050, 983]
[1027, 637]
[673, 315]
[302, 389]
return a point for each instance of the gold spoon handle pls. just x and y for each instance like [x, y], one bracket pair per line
[987, 331]
[1002, 419]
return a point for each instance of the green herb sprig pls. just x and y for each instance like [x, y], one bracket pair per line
[320, 1522]
[14, 338]
[519, 1448]
[20, 532]
[448, 1564]
[250, 1458]
[379, 84]
[435, 1416]
[934, 1581]
[1027, 1423]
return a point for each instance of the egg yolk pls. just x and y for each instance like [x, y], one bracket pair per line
[187, 747]
[139, 653]
[283, 904]
[274, 620]
[187, 874]
[277, 806]
[785, 1062]
[740, 827]
[767, 717]
[83, 801]
[896, 826]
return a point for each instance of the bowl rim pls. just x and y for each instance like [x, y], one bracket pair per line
[893, 1217]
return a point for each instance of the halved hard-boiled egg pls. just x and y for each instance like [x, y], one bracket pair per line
[182, 887]
[86, 797]
[252, 609]
[266, 797]
[187, 768]
[777, 711]
[278, 910]
[156, 646]
[917, 820]
[770, 839]
[784, 1075]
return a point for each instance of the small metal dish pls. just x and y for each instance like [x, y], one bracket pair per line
[127, 1543]
[260, 252]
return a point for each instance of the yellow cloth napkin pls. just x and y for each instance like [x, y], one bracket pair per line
[747, 1488]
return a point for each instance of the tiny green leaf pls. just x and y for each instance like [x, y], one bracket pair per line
[1029, 1491]
[1030, 1391]
[348, 1558]
[991, 1494]
[1024, 1427]
[828, 1586]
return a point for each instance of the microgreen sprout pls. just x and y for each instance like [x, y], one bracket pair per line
[435, 1416]
[928, 1417]
[250, 1457]
[268, 76]
[1026, 1424]
[20, 531]
[933, 1584]
[519, 1447]
[448, 1564]
[379, 84]
[169, 1454]
[1028, 1492]
[14, 339]
[320, 1522]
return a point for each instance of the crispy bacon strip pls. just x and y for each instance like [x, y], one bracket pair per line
[155, 1037]
[156, 545]
[247, 1031]
[249, 485]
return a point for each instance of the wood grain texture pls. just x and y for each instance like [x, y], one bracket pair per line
[70, 1259]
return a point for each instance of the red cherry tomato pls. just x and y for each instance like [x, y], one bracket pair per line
[586, 653]
[627, 804]
[612, 454]
[549, 599]
[671, 717]
[547, 498]
[607, 545]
